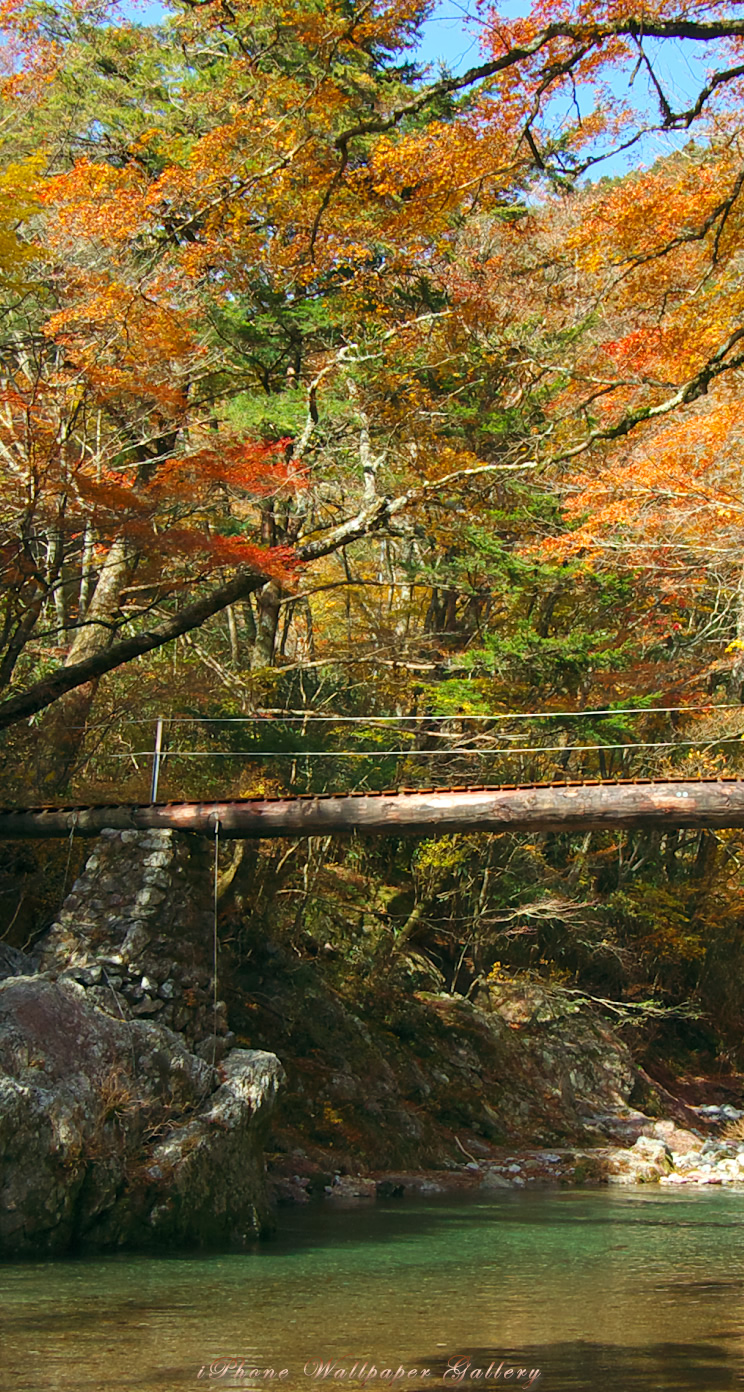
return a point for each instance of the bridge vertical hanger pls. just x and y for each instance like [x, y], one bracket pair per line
[73, 824]
[215, 938]
[157, 753]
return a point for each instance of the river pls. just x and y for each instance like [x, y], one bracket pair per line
[574, 1290]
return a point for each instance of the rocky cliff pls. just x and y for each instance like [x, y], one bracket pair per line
[126, 1117]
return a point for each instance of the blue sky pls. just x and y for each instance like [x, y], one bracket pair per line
[451, 37]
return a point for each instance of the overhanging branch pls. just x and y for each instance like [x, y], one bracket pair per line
[45, 692]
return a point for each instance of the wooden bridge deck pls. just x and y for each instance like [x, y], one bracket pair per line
[574, 805]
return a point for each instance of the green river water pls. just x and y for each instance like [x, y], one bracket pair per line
[621, 1291]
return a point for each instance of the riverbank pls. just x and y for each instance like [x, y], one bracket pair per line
[664, 1154]
[430, 1092]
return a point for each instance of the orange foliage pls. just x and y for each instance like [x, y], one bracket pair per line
[304, 170]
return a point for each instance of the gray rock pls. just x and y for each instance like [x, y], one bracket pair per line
[13, 962]
[87, 976]
[354, 1187]
[648, 1161]
[155, 878]
[493, 1180]
[113, 1133]
[136, 940]
[148, 899]
[214, 1047]
[148, 1006]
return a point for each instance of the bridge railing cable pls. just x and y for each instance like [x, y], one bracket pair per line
[276, 717]
[412, 726]
[427, 753]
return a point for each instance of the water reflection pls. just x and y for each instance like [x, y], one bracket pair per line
[584, 1365]
[598, 1290]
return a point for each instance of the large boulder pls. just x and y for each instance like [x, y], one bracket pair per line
[576, 1072]
[646, 1162]
[113, 1132]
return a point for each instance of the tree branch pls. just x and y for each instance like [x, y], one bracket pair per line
[43, 693]
[689, 391]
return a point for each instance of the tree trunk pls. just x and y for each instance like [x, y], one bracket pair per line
[63, 729]
[735, 683]
[268, 602]
[86, 572]
[232, 629]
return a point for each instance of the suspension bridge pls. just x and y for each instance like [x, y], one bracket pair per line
[573, 805]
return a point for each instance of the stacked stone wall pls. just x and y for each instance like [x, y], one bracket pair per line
[138, 931]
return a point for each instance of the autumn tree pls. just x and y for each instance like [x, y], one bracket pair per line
[266, 223]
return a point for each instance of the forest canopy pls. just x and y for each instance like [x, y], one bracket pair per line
[332, 384]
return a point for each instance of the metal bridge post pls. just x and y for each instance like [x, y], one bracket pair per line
[156, 759]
